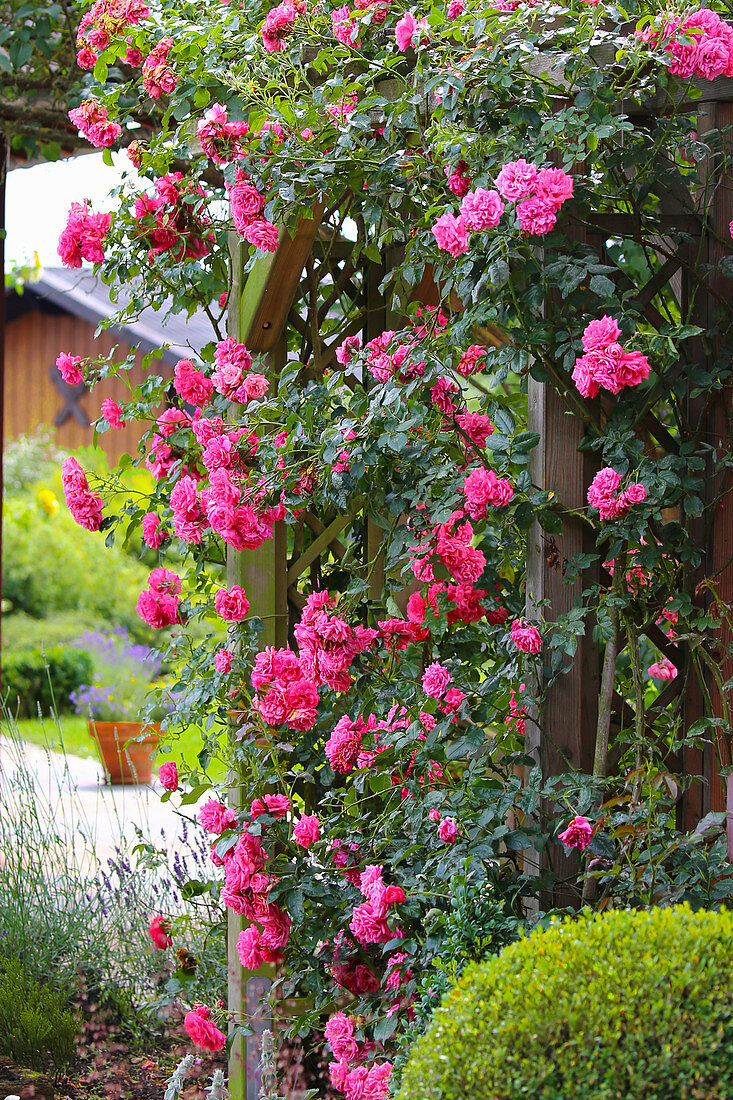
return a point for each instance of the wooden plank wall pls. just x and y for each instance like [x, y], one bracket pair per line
[32, 343]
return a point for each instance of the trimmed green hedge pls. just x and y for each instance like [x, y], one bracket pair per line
[34, 679]
[628, 1005]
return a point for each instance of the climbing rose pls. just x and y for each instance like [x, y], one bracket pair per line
[201, 1030]
[404, 31]
[525, 637]
[435, 680]
[153, 533]
[168, 775]
[277, 805]
[516, 179]
[536, 216]
[85, 506]
[262, 234]
[342, 747]
[339, 1034]
[231, 604]
[278, 22]
[663, 669]
[448, 830]
[307, 831]
[578, 833]
[160, 932]
[481, 209]
[222, 660]
[90, 119]
[158, 78]
[215, 817]
[248, 948]
[83, 237]
[70, 368]
[111, 412]
[450, 234]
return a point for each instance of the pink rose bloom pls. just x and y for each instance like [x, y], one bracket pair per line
[553, 186]
[536, 216]
[603, 486]
[663, 669]
[455, 8]
[351, 346]
[472, 360]
[516, 180]
[168, 775]
[601, 334]
[277, 805]
[70, 368]
[343, 746]
[482, 487]
[160, 931]
[450, 234]
[635, 494]
[231, 604]
[222, 660]
[578, 834]
[215, 817]
[158, 609]
[339, 1034]
[338, 1072]
[584, 376]
[153, 533]
[711, 57]
[255, 386]
[307, 831]
[202, 1031]
[248, 948]
[192, 385]
[435, 680]
[434, 815]
[404, 31]
[459, 182]
[481, 209]
[344, 28]
[262, 234]
[525, 637]
[111, 412]
[448, 830]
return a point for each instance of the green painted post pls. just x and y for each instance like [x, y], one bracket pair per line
[262, 573]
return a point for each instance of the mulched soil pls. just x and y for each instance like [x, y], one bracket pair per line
[114, 1062]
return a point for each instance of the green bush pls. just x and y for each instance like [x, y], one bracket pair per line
[629, 1005]
[21, 631]
[36, 1027]
[50, 565]
[38, 679]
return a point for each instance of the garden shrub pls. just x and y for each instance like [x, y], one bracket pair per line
[43, 679]
[51, 565]
[629, 1005]
[36, 1026]
[22, 631]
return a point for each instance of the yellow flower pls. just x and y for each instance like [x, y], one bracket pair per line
[49, 503]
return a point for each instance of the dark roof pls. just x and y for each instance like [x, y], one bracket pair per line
[84, 295]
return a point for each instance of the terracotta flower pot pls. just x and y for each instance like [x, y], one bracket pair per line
[125, 760]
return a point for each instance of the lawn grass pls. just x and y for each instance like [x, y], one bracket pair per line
[69, 733]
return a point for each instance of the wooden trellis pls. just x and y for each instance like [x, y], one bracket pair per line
[564, 734]
[299, 302]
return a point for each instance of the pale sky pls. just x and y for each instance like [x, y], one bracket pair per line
[38, 201]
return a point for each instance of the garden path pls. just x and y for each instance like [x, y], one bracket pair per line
[94, 817]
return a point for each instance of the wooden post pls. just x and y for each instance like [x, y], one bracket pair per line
[563, 735]
[262, 573]
[714, 114]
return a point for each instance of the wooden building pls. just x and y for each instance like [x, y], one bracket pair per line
[61, 312]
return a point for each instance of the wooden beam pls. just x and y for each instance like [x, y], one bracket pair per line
[263, 301]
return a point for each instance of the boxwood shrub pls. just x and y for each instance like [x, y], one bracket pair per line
[628, 1005]
[43, 679]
